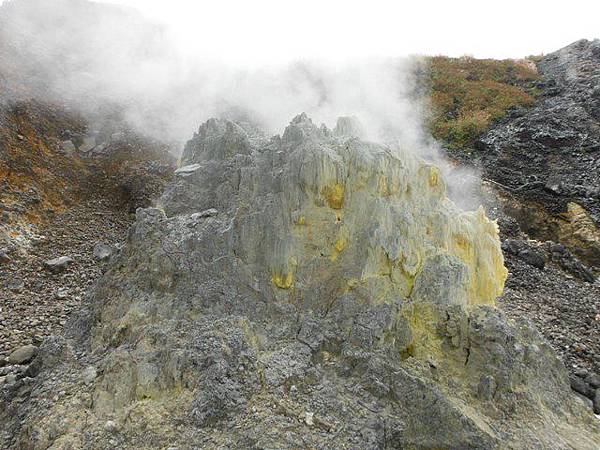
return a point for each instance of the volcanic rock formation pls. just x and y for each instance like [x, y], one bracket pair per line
[306, 291]
[548, 157]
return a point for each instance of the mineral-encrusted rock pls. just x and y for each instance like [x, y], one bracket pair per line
[311, 290]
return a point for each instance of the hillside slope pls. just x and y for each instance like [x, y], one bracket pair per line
[540, 168]
[548, 157]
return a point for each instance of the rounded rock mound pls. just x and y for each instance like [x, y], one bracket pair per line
[310, 290]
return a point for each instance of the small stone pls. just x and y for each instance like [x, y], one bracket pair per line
[309, 418]
[201, 215]
[102, 252]
[597, 402]
[88, 144]
[67, 148]
[89, 375]
[4, 258]
[58, 265]
[593, 380]
[16, 286]
[22, 355]
[61, 294]
[579, 385]
[101, 148]
[111, 426]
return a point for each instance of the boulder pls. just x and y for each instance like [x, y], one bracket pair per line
[59, 264]
[581, 386]
[22, 355]
[16, 285]
[593, 380]
[68, 148]
[103, 252]
[4, 258]
[87, 145]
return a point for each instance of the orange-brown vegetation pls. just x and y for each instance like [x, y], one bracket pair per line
[468, 95]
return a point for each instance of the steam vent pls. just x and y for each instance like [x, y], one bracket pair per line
[305, 291]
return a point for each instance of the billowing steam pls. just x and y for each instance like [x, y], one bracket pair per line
[89, 55]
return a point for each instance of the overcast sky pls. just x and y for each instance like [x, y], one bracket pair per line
[279, 30]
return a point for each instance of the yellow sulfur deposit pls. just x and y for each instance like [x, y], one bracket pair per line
[283, 281]
[334, 195]
[409, 241]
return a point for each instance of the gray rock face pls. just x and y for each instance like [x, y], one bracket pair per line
[59, 264]
[22, 355]
[306, 290]
[550, 155]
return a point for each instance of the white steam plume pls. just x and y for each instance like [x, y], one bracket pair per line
[88, 55]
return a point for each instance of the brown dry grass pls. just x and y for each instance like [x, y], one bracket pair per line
[468, 95]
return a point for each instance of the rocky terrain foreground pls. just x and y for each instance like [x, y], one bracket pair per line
[309, 290]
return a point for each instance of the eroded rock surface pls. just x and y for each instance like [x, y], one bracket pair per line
[309, 290]
[548, 157]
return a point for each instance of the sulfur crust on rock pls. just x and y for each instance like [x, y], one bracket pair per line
[283, 281]
[393, 206]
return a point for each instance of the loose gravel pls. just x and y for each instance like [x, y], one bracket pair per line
[34, 302]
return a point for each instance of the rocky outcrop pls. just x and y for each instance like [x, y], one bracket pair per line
[309, 290]
[548, 157]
